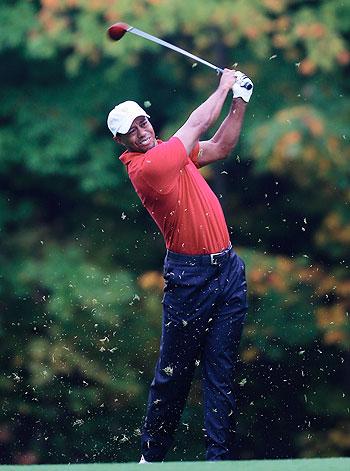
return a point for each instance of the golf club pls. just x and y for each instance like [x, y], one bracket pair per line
[117, 31]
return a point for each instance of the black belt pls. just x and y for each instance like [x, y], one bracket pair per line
[200, 259]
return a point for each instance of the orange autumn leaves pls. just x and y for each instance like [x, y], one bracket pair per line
[291, 281]
[335, 229]
[151, 280]
[305, 35]
[300, 140]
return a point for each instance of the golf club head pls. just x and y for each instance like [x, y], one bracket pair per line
[117, 31]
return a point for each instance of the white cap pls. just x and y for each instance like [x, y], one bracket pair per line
[122, 116]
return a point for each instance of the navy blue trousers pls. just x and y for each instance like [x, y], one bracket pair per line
[204, 308]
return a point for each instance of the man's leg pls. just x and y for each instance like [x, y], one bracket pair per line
[219, 360]
[169, 390]
[184, 322]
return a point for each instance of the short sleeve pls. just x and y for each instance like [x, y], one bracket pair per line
[194, 154]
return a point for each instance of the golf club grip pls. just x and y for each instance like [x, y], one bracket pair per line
[248, 86]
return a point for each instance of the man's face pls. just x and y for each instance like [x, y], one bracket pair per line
[140, 137]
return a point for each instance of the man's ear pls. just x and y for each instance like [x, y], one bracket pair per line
[117, 139]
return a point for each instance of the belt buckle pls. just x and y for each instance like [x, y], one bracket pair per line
[213, 261]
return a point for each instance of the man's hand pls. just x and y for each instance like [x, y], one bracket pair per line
[227, 79]
[241, 86]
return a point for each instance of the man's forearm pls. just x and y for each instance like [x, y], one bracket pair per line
[226, 137]
[208, 112]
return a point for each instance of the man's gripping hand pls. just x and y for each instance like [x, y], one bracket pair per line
[227, 79]
[243, 87]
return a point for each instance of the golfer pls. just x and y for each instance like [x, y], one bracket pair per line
[205, 302]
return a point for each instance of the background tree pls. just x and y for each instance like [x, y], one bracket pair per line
[81, 261]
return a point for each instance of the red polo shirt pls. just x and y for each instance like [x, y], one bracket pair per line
[178, 198]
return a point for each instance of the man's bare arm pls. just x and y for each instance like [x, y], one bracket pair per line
[207, 113]
[226, 137]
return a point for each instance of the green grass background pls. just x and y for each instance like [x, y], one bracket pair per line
[325, 464]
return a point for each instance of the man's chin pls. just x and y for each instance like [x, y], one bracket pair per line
[148, 146]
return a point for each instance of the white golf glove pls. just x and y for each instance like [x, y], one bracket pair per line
[243, 87]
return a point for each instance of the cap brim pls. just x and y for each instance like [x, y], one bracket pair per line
[128, 122]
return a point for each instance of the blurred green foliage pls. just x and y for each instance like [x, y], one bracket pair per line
[81, 262]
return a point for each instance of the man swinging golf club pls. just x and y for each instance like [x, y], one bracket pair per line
[205, 293]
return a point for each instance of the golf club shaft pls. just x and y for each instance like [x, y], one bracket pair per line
[138, 32]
